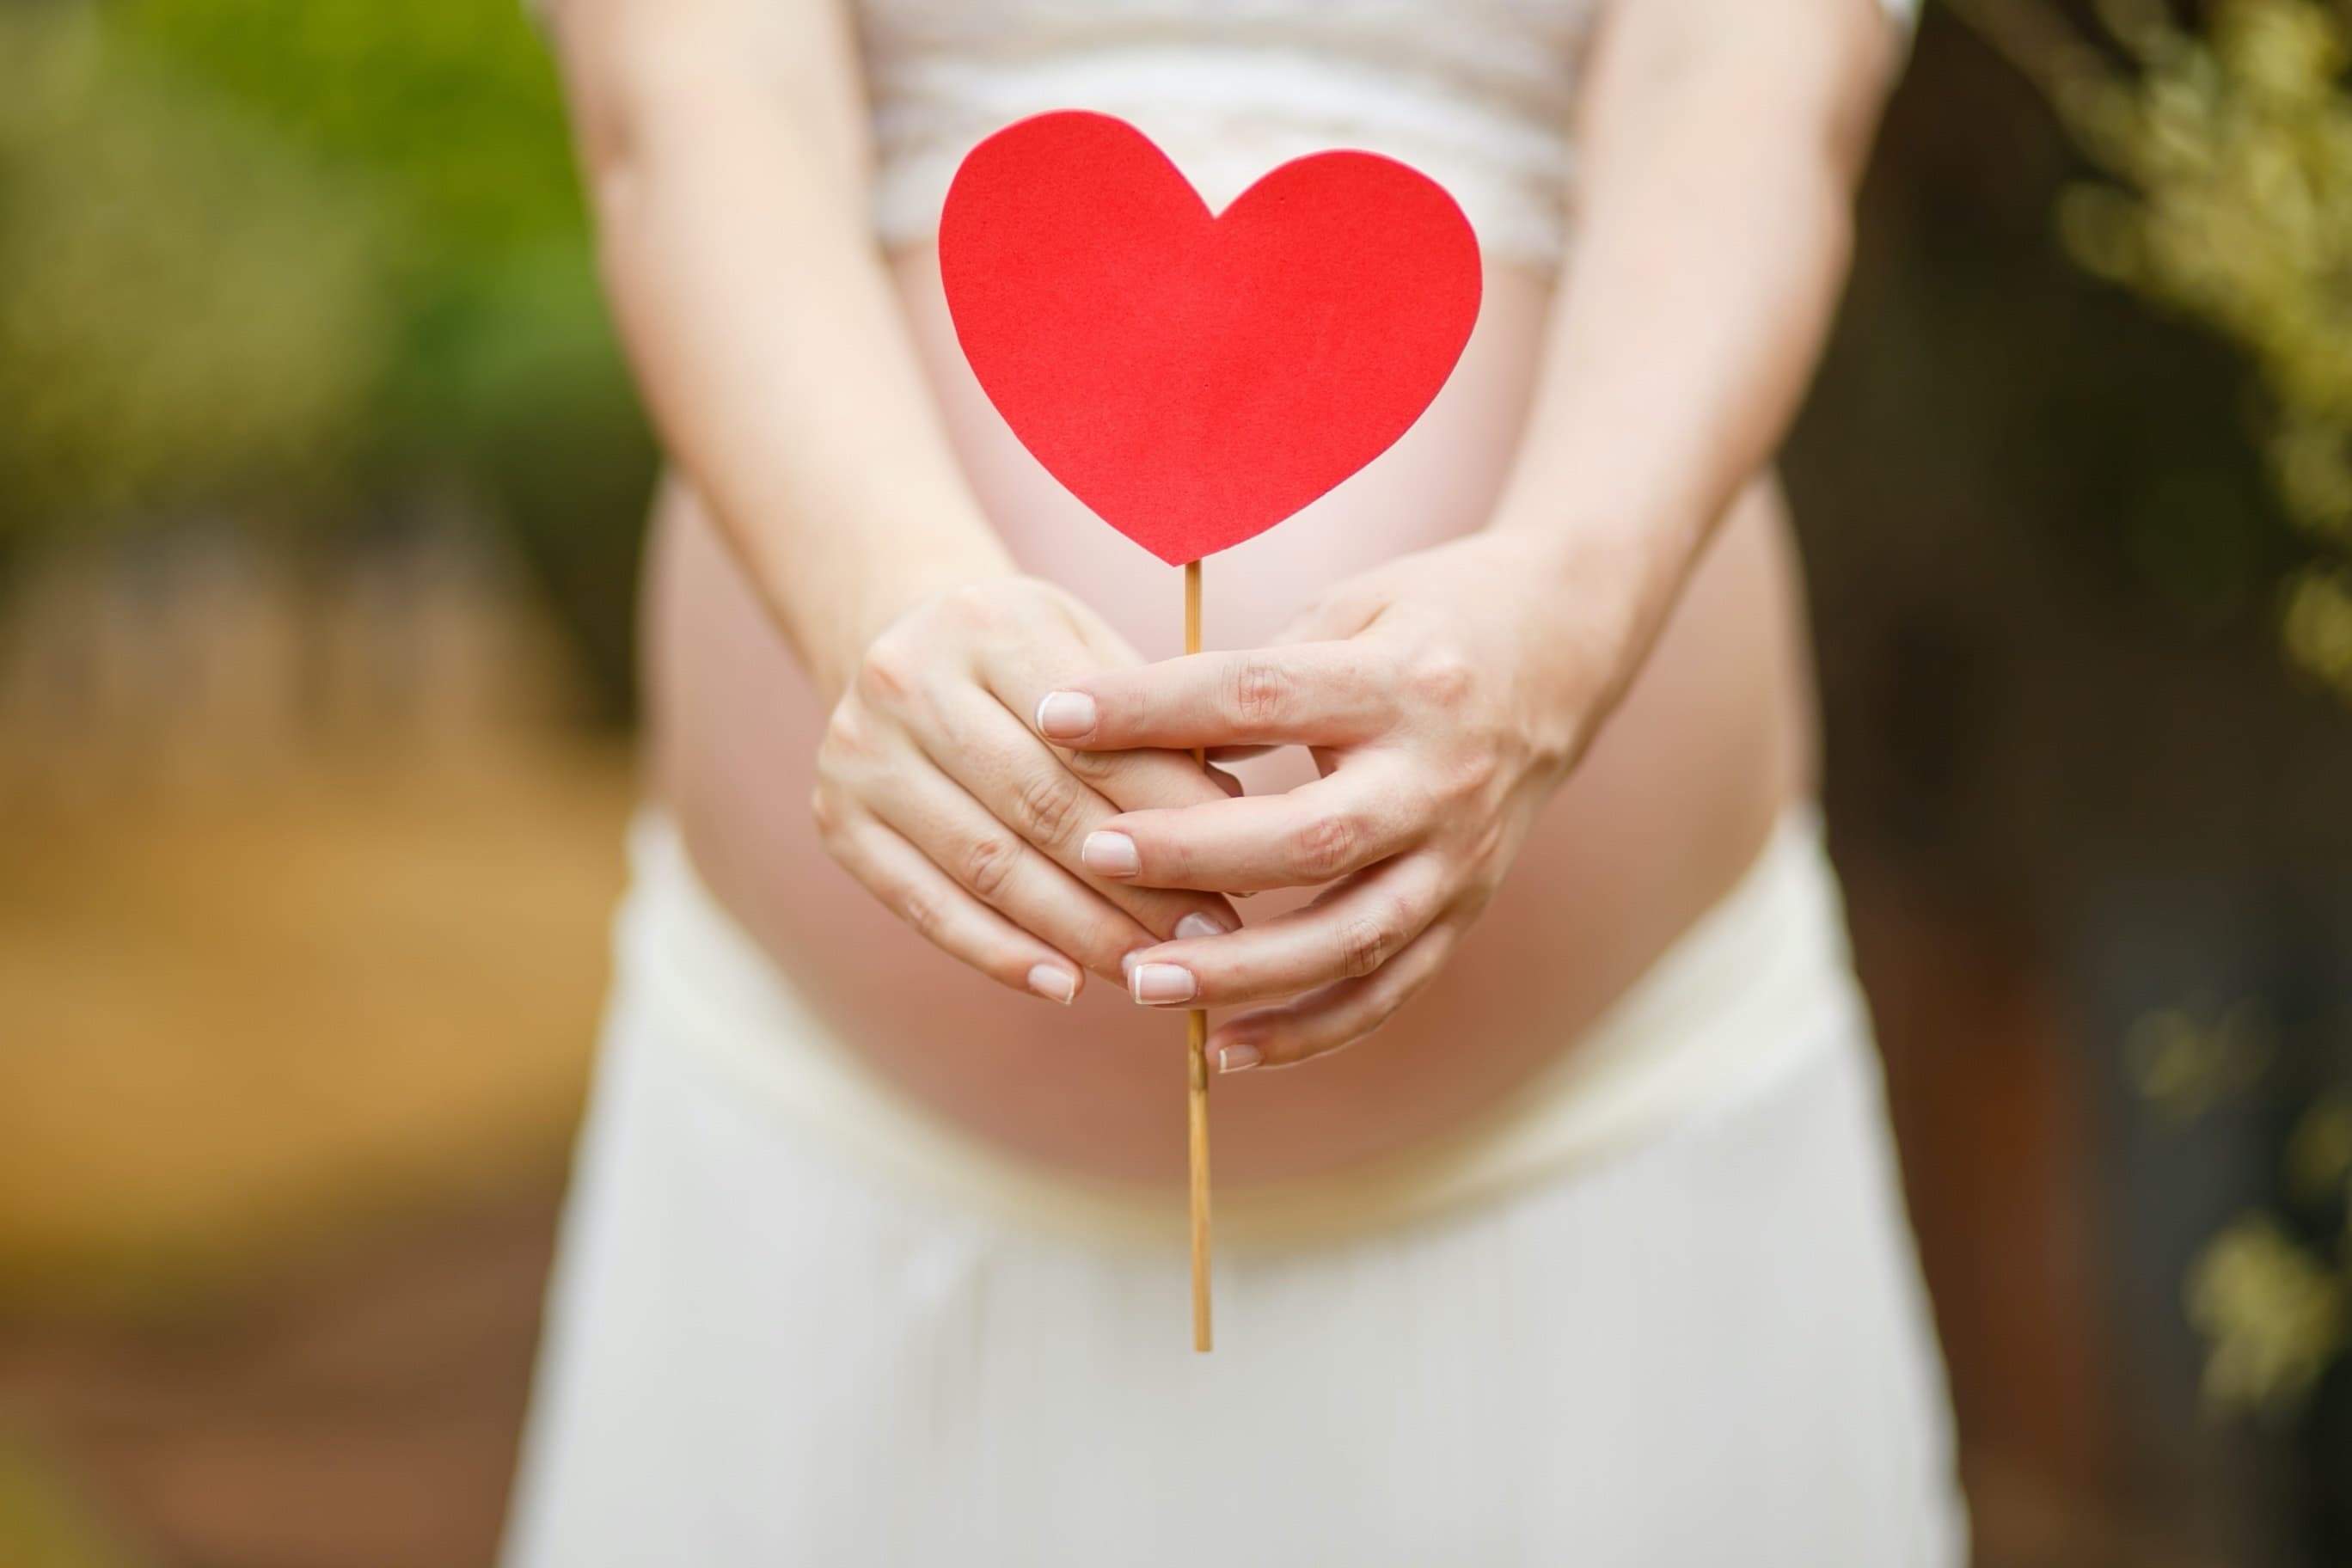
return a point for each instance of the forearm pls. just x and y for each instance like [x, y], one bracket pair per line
[1714, 234]
[761, 320]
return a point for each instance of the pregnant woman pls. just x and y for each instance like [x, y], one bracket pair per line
[1594, 1252]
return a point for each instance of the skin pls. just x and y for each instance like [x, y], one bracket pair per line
[1545, 655]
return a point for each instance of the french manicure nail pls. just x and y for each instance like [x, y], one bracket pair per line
[1197, 925]
[1065, 715]
[1054, 983]
[1154, 983]
[1109, 855]
[1238, 1058]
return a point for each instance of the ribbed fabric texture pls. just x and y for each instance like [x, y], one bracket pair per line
[1480, 96]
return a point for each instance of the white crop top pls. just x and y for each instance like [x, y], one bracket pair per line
[1474, 93]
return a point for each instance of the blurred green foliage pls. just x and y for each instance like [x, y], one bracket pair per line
[186, 302]
[447, 105]
[311, 261]
[2226, 144]
[2270, 1306]
[2229, 149]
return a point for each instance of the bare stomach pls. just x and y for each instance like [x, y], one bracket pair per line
[1669, 808]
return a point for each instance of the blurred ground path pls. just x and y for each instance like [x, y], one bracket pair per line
[358, 1410]
[290, 1073]
[225, 1017]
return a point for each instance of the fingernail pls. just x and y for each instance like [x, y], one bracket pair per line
[1054, 983]
[1110, 855]
[1238, 1059]
[1065, 715]
[1196, 925]
[1160, 982]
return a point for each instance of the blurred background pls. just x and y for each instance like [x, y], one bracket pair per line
[320, 485]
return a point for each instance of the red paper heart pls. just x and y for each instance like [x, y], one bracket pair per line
[1196, 378]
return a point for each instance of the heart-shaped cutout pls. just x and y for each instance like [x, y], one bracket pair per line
[1196, 378]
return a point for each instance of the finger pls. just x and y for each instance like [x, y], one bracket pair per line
[1023, 783]
[1353, 817]
[950, 917]
[1144, 780]
[1313, 693]
[1023, 676]
[1338, 1015]
[994, 863]
[1347, 933]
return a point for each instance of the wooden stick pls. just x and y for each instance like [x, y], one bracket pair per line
[1196, 1063]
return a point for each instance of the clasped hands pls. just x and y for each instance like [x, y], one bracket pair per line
[1006, 776]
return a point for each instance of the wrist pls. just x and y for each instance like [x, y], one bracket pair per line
[1585, 602]
[862, 611]
[1629, 562]
[1579, 592]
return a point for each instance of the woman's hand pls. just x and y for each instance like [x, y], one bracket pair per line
[1445, 696]
[934, 791]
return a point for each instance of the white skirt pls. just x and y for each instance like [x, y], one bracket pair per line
[1704, 1344]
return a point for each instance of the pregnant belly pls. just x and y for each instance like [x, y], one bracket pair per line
[1671, 805]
